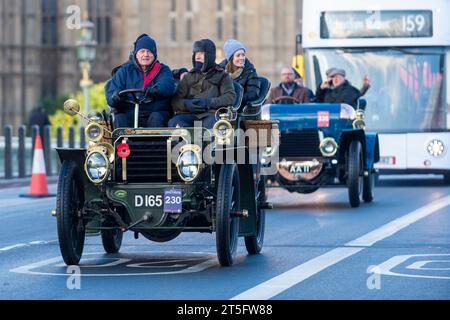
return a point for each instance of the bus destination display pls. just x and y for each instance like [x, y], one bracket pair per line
[376, 24]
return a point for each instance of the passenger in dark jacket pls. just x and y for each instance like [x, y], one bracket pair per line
[203, 90]
[241, 70]
[143, 71]
[338, 89]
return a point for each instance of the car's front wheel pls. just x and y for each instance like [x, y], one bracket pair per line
[228, 203]
[355, 173]
[69, 203]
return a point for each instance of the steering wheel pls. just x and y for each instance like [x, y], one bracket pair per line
[282, 100]
[136, 98]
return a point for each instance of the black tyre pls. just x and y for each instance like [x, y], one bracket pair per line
[69, 203]
[254, 244]
[228, 202]
[112, 240]
[447, 178]
[355, 173]
[369, 186]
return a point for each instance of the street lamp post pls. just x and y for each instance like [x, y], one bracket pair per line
[86, 50]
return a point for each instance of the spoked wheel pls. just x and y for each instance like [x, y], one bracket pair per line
[228, 202]
[69, 203]
[369, 186]
[112, 240]
[254, 244]
[355, 173]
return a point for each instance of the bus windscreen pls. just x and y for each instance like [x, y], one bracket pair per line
[407, 92]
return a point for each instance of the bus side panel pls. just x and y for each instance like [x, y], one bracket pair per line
[418, 156]
[392, 151]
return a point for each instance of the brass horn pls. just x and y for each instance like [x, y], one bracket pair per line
[71, 107]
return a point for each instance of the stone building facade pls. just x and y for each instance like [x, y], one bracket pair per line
[38, 50]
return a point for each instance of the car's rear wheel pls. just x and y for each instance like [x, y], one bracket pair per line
[447, 178]
[112, 240]
[355, 173]
[69, 203]
[255, 243]
[369, 186]
[228, 202]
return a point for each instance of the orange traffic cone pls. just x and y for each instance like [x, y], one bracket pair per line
[38, 186]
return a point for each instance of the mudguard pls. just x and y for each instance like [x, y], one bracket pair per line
[79, 156]
[372, 149]
[347, 136]
[76, 155]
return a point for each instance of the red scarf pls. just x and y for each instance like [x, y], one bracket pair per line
[152, 74]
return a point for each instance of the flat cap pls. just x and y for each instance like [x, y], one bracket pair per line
[334, 71]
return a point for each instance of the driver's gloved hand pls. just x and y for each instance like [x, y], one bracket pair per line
[194, 108]
[151, 92]
[203, 102]
[116, 101]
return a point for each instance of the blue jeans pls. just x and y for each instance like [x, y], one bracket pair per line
[187, 121]
[157, 119]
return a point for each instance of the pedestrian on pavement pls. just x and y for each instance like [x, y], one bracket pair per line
[39, 117]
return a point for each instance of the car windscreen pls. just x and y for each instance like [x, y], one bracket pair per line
[407, 91]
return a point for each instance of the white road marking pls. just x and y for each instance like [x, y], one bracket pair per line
[398, 224]
[21, 245]
[421, 265]
[296, 275]
[210, 261]
[386, 267]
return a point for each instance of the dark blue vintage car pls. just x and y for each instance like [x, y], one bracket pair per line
[324, 144]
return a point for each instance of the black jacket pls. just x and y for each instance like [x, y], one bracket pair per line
[345, 93]
[248, 80]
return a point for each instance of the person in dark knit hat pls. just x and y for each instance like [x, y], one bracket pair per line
[143, 71]
[203, 90]
[241, 69]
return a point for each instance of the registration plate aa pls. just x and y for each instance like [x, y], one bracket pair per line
[173, 200]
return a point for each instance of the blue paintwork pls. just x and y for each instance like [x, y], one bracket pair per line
[304, 116]
[372, 149]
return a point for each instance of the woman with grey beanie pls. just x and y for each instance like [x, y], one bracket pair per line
[241, 69]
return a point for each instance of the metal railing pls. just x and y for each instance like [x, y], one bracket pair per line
[16, 151]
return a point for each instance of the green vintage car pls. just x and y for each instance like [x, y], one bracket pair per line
[160, 182]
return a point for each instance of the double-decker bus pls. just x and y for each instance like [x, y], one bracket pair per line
[404, 48]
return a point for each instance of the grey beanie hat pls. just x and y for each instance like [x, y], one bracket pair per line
[231, 46]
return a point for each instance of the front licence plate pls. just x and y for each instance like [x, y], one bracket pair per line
[299, 169]
[173, 200]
